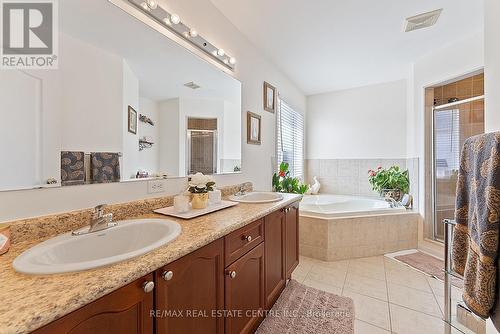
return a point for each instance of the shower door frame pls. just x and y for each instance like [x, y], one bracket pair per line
[215, 149]
[433, 160]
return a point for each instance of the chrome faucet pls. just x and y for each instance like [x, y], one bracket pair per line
[241, 192]
[392, 202]
[99, 221]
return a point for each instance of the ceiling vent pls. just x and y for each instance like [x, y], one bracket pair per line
[421, 21]
[192, 85]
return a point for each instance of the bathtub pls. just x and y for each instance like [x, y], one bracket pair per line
[335, 206]
[337, 227]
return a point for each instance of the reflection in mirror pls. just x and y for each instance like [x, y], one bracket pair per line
[125, 103]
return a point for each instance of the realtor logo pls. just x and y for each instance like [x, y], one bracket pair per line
[29, 34]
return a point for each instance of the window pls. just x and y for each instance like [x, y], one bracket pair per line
[290, 139]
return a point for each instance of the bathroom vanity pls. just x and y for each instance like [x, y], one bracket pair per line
[224, 286]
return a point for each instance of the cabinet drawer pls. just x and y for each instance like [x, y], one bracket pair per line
[242, 240]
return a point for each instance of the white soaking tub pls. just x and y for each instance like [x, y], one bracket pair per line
[338, 206]
[338, 227]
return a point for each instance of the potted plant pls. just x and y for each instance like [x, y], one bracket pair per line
[392, 182]
[284, 183]
[199, 186]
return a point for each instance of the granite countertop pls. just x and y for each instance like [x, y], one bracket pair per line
[29, 302]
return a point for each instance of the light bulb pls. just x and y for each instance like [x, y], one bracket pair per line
[152, 4]
[167, 21]
[193, 33]
[226, 61]
[232, 60]
[145, 6]
[221, 52]
[175, 19]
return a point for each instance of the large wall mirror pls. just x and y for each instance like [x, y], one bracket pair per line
[125, 103]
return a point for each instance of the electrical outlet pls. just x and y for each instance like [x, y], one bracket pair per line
[156, 186]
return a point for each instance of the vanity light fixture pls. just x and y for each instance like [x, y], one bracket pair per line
[145, 6]
[172, 22]
[193, 33]
[175, 19]
[152, 4]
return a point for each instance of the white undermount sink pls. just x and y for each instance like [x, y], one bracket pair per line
[257, 197]
[68, 253]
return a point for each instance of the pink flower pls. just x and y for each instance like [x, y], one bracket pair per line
[379, 167]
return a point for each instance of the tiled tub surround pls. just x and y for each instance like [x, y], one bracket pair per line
[356, 237]
[350, 176]
[29, 302]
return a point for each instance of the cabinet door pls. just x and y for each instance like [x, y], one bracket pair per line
[190, 293]
[124, 311]
[274, 231]
[292, 239]
[245, 301]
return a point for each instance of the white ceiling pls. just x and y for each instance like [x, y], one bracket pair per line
[161, 65]
[325, 45]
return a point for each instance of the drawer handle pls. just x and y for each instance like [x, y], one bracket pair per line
[248, 238]
[231, 273]
[167, 275]
[148, 286]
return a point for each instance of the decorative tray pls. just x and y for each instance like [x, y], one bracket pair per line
[193, 213]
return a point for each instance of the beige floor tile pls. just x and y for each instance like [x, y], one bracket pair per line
[302, 269]
[438, 288]
[333, 265]
[361, 327]
[406, 321]
[322, 286]
[415, 299]
[408, 277]
[366, 286]
[328, 275]
[371, 268]
[298, 276]
[370, 310]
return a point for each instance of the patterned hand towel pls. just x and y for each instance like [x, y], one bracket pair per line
[475, 238]
[105, 167]
[72, 168]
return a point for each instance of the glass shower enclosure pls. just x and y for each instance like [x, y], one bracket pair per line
[452, 124]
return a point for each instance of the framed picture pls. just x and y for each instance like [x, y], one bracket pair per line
[132, 120]
[253, 128]
[270, 97]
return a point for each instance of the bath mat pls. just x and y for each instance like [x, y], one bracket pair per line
[429, 265]
[304, 310]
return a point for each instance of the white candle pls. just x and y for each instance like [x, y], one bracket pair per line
[181, 203]
[214, 197]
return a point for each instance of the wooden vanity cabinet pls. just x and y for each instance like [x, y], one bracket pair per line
[245, 301]
[124, 311]
[224, 287]
[190, 293]
[292, 238]
[274, 228]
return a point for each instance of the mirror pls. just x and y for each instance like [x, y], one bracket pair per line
[125, 103]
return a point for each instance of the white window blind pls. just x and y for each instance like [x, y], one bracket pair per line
[447, 141]
[290, 139]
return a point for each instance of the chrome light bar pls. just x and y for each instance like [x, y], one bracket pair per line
[173, 23]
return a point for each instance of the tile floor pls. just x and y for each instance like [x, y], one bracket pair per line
[389, 297]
